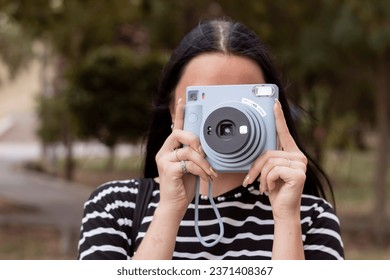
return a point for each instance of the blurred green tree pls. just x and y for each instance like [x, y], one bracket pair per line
[362, 31]
[334, 55]
[54, 127]
[49, 131]
[71, 29]
[111, 95]
[15, 46]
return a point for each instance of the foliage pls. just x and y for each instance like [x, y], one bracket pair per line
[14, 52]
[317, 43]
[334, 55]
[111, 94]
[51, 110]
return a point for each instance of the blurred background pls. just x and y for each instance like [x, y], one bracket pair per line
[77, 77]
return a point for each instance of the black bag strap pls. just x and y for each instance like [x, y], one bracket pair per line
[145, 189]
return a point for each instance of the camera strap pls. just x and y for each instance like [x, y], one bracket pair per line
[217, 214]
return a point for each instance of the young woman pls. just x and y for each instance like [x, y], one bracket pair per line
[276, 210]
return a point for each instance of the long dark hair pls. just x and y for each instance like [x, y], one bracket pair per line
[233, 38]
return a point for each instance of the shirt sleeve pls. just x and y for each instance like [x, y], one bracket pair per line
[106, 225]
[323, 239]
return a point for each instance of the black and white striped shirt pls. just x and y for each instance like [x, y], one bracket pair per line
[247, 218]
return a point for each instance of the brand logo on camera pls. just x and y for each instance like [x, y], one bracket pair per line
[235, 123]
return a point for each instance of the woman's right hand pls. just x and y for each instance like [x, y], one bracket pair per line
[177, 188]
[179, 160]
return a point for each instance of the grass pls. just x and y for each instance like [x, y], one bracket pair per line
[93, 171]
[352, 173]
[27, 242]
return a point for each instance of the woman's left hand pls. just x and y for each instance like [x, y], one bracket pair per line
[282, 172]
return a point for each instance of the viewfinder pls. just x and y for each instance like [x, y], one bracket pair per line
[193, 95]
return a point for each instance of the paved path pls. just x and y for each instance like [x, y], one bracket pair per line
[56, 201]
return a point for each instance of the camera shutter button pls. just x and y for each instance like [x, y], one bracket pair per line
[193, 118]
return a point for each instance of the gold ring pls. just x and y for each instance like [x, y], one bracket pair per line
[289, 162]
[183, 167]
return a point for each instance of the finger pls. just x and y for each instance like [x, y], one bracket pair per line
[180, 137]
[280, 161]
[259, 163]
[177, 139]
[190, 155]
[286, 140]
[271, 164]
[273, 176]
[178, 122]
[194, 169]
[290, 177]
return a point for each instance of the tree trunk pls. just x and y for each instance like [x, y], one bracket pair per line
[382, 153]
[68, 143]
[111, 159]
[67, 133]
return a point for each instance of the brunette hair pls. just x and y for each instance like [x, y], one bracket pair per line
[231, 38]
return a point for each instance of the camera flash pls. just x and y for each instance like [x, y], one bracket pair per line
[263, 90]
[243, 129]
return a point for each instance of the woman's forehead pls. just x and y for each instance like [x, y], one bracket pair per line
[219, 69]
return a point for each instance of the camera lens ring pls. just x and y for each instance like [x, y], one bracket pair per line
[221, 142]
[251, 149]
[242, 153]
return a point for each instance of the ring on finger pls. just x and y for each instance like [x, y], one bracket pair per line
[183, 167]
[289, 162]
[177, 157]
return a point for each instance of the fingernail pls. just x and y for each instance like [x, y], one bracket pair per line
[246, 181]
[260, 190]
[278, 103]
[179, 100]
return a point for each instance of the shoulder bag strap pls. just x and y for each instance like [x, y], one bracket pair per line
[144, 195]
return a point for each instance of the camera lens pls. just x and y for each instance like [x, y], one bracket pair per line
[233, 135]
[226, 129]
[222, 133]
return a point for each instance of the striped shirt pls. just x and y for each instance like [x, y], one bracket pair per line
[246, 215]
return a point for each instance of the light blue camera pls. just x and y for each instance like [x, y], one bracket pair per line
[235, 123]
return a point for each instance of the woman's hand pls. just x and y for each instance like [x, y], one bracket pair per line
[282, 172]
[283, 175]
[177, 165]
[179, 159]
